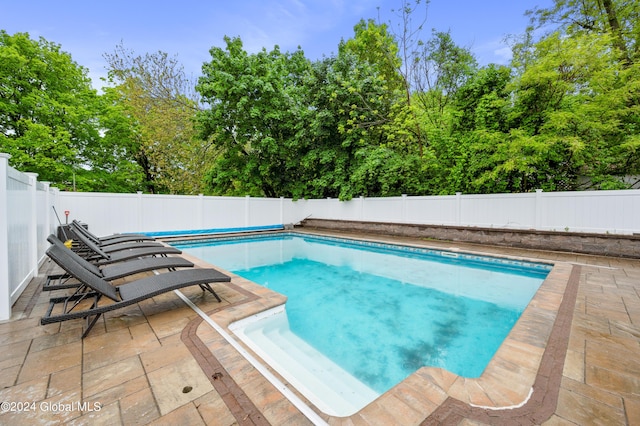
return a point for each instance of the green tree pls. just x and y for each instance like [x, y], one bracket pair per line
[331, 135]
[574, 119]
[481, 111]
[442, 68]
[619, 20]
[483, 101]
[47, 109]
[112, 155]
[372, 43]
[392, 161]
[157, 98]
[257, 112]
[53, 122]
[351, 104]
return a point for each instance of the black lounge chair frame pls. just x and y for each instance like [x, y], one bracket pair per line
[85, 243]
[78, 228]
[99, 257]
[62, 255]
[129, 245]
[125, 295]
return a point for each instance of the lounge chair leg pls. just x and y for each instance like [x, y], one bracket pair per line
[90, 324]
[78, 296]
[59, 281]
[207, 287]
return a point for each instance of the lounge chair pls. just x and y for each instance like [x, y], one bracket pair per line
[108, 239]
[96, 255]
[82, 244]
[122, 296]
[63, 256]
[128, 246]
[112, 244]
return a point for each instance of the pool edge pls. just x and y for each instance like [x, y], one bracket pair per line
[430, 390]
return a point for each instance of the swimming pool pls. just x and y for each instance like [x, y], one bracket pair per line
[379, 313]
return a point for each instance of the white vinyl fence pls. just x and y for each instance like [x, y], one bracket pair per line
[27, 216]
[585, 211]
[25, 222]
[110, 213]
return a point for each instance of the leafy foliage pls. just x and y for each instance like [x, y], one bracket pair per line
[53, 122]
[47, 108]
[389, 114]
[257, 112]
[160, 105]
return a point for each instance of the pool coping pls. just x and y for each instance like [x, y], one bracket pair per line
[543, 400]
[520, 383]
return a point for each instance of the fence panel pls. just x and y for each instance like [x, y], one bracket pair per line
[25, 226]
[43, 214]
[499, 210]
[264, 211]
[105, 213]
[169, 212]
[19, 241]
[223, 212]
[441, 210]
[381, 209]
[592, 211]
[318, 208]
[295, 211]
[345, 210]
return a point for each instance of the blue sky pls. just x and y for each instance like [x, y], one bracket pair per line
[189, 28]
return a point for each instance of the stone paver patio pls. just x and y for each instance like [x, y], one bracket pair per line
[159, 362]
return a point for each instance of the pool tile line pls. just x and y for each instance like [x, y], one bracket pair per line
[546, 387]
[449, 254]
[430, 251]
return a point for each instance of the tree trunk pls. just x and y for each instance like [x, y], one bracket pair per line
[614, 26]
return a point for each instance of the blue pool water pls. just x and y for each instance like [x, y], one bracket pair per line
[381, 312]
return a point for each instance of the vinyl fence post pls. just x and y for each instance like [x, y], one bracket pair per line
[5, 288]
[55, 195]
[139, 206]
[458, 208]
[404, 208]
[201, 211]
[538, 213]
[281, 211]
[33, 224]
[46, 226]
[247, 205]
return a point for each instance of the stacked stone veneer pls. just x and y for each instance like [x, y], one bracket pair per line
[576, 242]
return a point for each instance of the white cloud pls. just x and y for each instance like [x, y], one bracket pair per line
[503, 55]
[495, 51]
[293, 23]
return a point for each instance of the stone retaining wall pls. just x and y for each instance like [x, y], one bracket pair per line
[576, 242]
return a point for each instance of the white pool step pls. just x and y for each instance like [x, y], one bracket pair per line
[332, 389]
